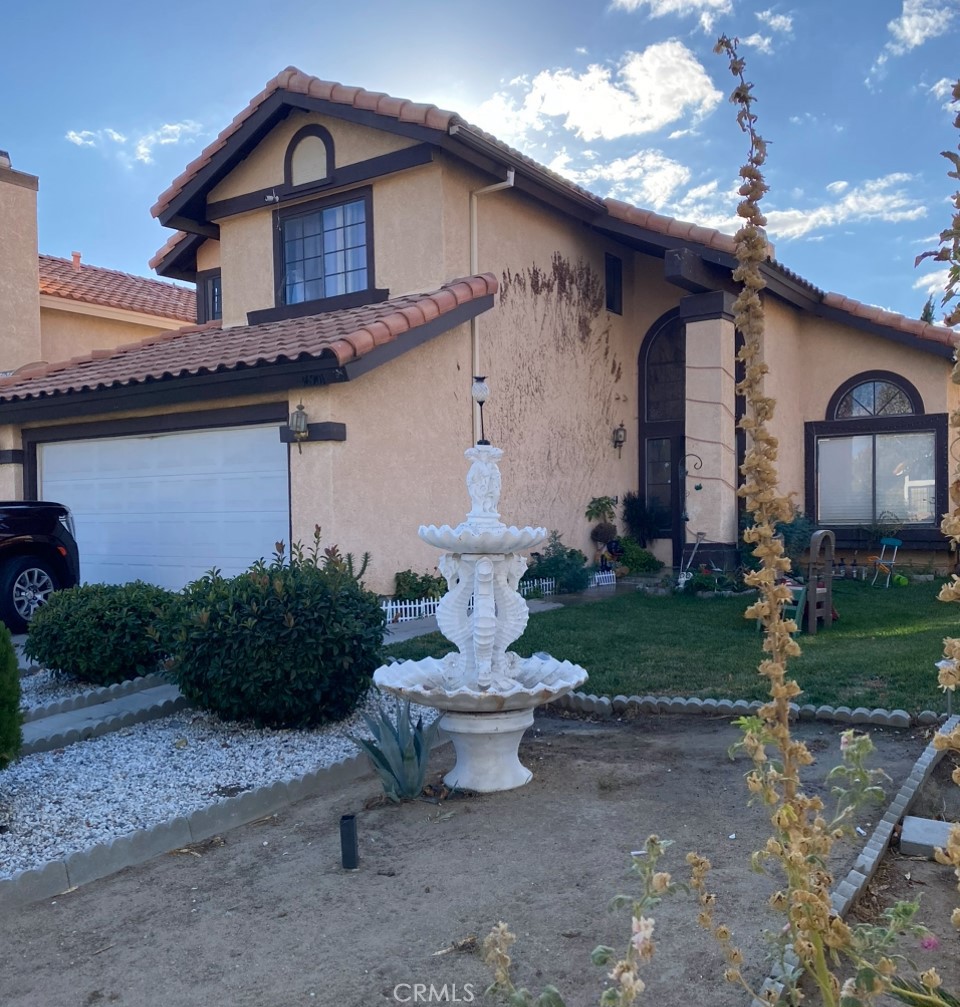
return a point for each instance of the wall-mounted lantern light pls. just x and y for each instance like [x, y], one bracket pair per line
[619, 438]
[299, 426]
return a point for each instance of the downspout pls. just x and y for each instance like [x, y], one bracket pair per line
[474, 268]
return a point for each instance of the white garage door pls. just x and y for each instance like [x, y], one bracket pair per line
[168, 508]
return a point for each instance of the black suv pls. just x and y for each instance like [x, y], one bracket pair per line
[38, 555]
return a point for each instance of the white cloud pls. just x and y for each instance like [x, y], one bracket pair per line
[82, 138]
[762, 43]
[682, 8]
[167, 134]
[776, 22]
[919, 21]
[933, 283]
[643, 93]
[835, 188]
[142, 144]
[648, 178]
[942, 89]
[879, 199]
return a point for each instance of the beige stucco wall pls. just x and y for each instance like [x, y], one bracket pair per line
[66, 334]
[19, 274]
[208, 255]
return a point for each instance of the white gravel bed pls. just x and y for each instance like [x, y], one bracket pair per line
[39, 687]
[56, 803]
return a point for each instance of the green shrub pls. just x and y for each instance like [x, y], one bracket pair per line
[284, 645]
[566, 566]
[99, 633]
[636, 559]
[11, 736]
[400, 751]
[412, 586]
[643, 523]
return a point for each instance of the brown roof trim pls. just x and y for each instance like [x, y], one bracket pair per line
[206, 362]
[177, 259]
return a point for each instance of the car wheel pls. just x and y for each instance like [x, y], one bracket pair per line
[25, 584]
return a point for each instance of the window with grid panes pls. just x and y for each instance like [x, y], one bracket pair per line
[325, 252]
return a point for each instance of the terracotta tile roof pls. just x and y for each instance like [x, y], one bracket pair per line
[911, 326]
[343, 336]
[95, 285]
[668, 225]
[297, 82]
[168, 246]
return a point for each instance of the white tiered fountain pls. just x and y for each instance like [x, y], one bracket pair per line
[488, 694]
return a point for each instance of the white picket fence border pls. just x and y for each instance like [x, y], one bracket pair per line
[423, 608]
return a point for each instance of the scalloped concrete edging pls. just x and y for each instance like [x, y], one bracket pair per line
[94, 697]
[129, 710]
[60, 876]
[603, 706]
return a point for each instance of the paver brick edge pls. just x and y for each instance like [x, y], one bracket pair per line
[61, 876]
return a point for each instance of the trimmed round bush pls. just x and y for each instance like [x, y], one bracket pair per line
[637, 559]
[100, 633]
[11, 736]
[285, 645]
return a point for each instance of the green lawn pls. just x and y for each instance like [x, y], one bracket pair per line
[881, 653]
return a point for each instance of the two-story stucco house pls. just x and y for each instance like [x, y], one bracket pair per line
[365, 256]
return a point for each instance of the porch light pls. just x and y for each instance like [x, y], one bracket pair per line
[619, 438]
[299, 427]
[480, 392]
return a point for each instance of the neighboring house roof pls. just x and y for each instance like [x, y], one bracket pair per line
[337, 337]
[449, 129]
[112, 289]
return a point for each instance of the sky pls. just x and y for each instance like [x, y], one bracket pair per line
[108, 101]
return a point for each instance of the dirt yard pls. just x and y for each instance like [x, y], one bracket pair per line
[266, 917]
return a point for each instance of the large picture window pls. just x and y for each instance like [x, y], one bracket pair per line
[877, 460]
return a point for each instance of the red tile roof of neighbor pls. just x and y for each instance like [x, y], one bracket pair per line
[296, 81]
[112, 289]
[342, 336]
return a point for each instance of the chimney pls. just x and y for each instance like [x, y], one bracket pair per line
[19, 268]
[76, 261]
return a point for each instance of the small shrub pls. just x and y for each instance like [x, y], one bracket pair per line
[566, 566]
[636, 559]
[289, 644]
[700, 582]
[100, 633]
[412, 586]
[11, 719]
[643, 523]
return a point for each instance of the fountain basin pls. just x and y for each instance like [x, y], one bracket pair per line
[473, 539]
[438, 682]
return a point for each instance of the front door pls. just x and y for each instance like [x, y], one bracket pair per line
[662, 437]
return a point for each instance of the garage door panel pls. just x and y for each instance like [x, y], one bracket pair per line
[168, 508]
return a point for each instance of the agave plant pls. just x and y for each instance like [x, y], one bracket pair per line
[399, 751]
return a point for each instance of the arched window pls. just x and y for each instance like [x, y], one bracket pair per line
[877, 460]
[877, 397]
[309, 157]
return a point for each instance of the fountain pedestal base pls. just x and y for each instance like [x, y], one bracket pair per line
[487, 746]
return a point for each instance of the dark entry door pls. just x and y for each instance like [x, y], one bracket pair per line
[662, 435]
